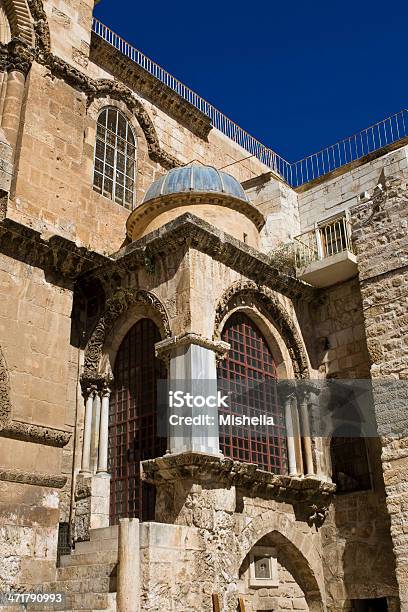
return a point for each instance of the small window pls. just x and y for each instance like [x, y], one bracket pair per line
[115, 158]
[263, 568]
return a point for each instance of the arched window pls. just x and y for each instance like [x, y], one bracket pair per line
[115, 158]
[349, 457]
[133, 426]
[250, 372]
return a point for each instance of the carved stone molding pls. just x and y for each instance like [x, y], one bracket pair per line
[149, 87]
[202, 468]
[164, 348]
[37, 434]
[33, 478]
[115, 306]
[248, 293]
[20, 56]
[5, 405]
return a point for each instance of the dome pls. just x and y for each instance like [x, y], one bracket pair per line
[196, 179]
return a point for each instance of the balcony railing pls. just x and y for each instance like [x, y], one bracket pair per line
[327, 239]
[369, 140]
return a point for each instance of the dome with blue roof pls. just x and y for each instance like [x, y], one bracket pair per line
[198, 179]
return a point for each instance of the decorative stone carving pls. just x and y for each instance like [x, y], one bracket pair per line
[5, 406]
[20, 56]
[317, 515]
[150, 87]
[33, 478]
[116, 306]
[165, 347]
[47, 436]
[204, 468]
[248, 293]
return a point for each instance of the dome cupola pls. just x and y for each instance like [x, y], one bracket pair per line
[208, 193]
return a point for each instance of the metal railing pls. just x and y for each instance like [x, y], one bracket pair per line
[327, 239]
[349, 149]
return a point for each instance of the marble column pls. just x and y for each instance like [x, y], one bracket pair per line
[87, 437]
[104, 433]
[290, 435]
[305, 429]
[192, 369]
[12, 105]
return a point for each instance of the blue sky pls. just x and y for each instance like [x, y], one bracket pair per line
[297, 75]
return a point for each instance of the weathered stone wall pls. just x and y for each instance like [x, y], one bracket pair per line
[28, 535]
[333, 195]
[380, 237]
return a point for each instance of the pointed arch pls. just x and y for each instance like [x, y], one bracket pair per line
[250, 294]
[115, 307]
[303, 561]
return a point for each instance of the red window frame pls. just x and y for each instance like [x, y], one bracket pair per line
[249, 371]
[133, 422]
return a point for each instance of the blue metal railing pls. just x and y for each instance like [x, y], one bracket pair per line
[349, 149]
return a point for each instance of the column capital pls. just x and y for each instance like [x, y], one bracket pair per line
[166, 347]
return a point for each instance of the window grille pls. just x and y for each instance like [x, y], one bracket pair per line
[133, 423]
[115, 158]
[249, 371]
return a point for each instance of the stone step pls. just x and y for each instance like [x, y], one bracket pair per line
[95, 546]
[74, 572]
[101, 557]
[105, 533]
[79, 601]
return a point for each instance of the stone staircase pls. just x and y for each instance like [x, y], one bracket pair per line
[87, 577]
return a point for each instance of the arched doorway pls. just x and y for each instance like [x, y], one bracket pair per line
[133, 423]
[249, 371]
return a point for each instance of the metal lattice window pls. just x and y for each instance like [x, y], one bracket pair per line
[249, 371]
[133, 423]
[115, 158]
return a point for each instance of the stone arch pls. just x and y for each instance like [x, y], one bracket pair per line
[302, 560]
[249, 295]
[19, 19]
[117, 91]
[117, 305]
[5, 404]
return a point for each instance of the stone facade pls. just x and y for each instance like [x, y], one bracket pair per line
[76, 276]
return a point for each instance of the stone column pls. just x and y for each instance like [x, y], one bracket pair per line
[305, 429]
[128, 587]
[192, 368]
[290, 436]
[87, 438]
[12, 105]
[104, 433]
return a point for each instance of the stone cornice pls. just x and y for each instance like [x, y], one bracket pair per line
[149, 87]
[33, 478]
[198, 234]
[147, 211]
[54, 254]
[210, 469]
[165, 347]
[37, 434]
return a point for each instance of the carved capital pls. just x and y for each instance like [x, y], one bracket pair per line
[166, 347]
[20, 56]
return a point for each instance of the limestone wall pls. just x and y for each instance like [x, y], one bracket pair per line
[380, 237]
[333, 195]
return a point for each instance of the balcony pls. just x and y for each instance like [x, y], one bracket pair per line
[324, 256]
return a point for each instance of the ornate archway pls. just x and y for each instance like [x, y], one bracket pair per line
[250, 294]
[115, 307]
